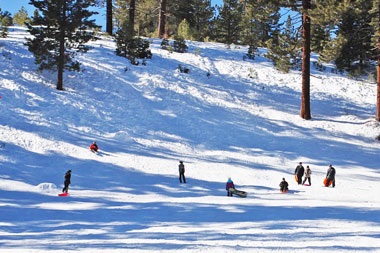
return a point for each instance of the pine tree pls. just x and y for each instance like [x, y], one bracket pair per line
[261, 21]
[228, 22]
[284, 49]
[202, 14]
[129, 46]
[60, 34]
[21, 17]
[5, 21]
[36, 17]
[184, 30]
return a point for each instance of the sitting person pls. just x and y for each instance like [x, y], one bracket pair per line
[94, 148]
[284, 185]
[229, 185]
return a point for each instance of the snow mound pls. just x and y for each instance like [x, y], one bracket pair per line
[48, 188]
[120, 136]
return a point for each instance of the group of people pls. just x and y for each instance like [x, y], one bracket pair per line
[300, 172]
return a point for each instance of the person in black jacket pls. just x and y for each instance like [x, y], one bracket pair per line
[181, 170]
[330, 176]
[299, 172]
[284, 185]
[67, 181]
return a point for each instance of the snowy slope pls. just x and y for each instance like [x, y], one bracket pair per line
[241, 122]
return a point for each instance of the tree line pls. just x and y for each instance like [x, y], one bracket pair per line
[343, 32]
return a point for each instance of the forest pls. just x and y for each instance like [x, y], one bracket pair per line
[344, 33]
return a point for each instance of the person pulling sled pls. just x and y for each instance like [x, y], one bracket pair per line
[230, 187]
[330, 176]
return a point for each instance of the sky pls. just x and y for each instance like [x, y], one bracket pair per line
[15, 5]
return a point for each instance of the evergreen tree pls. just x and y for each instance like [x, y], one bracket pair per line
[184, 30]
[228, 22]
[146, 14]
[36, 17]
[121, 12]
[129, 46]
[60, 34]
[202, 14]
[21, 17]
[261, 21]
[5, 21]
[284, 50]
[355, 54]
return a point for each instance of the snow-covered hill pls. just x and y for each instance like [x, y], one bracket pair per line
[240, 122]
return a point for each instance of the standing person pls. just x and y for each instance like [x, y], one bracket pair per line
[284, 185]
[181, 169]
[229, 185]
[67, 181]
[94, 148]
[299, 172]
[330, 176]
[307, 175]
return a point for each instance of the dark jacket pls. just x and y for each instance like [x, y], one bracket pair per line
[68, 177]
[181, 168]
[299, 170]
[331, 173]
[284, 185]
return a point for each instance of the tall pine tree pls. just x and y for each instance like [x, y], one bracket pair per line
[60, 33]
[228, 22]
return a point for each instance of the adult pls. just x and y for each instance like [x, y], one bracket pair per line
[300, 170]
[307, 175]
[181, 169]
[330, 176]
[229, 185]
[67, 181]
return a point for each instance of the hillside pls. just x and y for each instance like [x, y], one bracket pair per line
[241, 122]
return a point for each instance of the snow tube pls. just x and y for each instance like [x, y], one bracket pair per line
[295, 176]
[325, 182]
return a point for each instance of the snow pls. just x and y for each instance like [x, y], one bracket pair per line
[240, 122]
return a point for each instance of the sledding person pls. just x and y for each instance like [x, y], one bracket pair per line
[94, 148]
[330, 176]
[307, 175]
[229, 185]
[67, 181]
[284, 185]
[181, 169]
[299, 172]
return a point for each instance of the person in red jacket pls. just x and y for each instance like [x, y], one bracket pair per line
[229, 185]
[94, 148]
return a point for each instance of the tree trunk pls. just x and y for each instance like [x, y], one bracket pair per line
[378, 79]
[132, 6]
[109, 25]
[162, 20]
[305, 103]
[61, 57]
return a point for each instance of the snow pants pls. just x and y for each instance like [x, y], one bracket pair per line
[182, 177]
[307, 178]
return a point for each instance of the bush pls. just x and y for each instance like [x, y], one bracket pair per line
[252, 52]
[131, 47]
[179, 45]
[165, 44]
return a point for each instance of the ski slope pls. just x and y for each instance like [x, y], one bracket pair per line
[240, 122]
